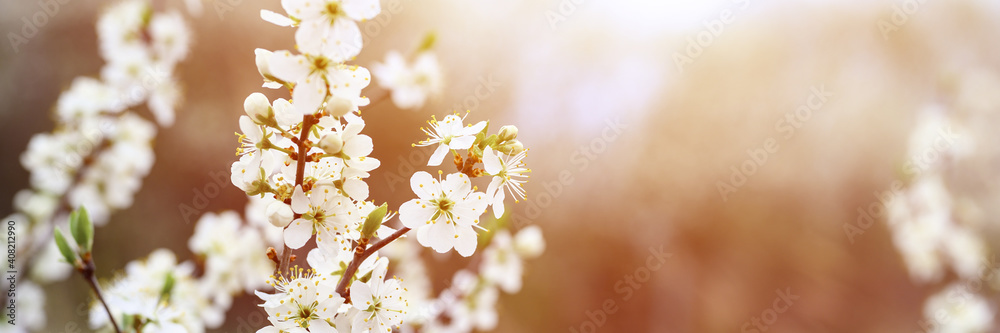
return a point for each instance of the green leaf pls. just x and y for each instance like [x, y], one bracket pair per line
[82, 229]
[168, 286]
[373, 221]
[64, 248]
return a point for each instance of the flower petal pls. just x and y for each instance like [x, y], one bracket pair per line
[415, 213]
[288, 67]
[465, 244]
[309, 94]
[438, 156]
[361, 10]
[491, 162]
[298, 233]
[300, 202]
[424, 185]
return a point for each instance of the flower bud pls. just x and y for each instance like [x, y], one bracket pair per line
[258, 108]
[331, 143]
[515, 147]
[279, 214]
[263, 60]
[338, 106]
[508, 133]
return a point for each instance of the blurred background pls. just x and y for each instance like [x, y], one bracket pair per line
[639, 116]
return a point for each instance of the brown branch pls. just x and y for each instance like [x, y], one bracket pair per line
[360, 256]
[300, 167]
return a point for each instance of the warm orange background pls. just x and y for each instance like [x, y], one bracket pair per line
[654, 184]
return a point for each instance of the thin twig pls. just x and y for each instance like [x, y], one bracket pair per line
[88, 274]
[360, 256]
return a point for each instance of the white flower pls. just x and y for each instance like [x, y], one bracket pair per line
[324, 213]
[312, 74]
[304, 302]
[529, 242]
[956, 310]
[141, 292]
[380, 302]
[501, 264]
[224, 244]
[328, 27]
[410, 86]
[449, 134]
[170, 37]
[444, 213]
[477, 306]
[506, 175]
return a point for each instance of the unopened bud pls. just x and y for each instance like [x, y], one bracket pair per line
[263, 60]
[279, 214]
[508, 133]
[331, 143]
[258, 108]
[516, 147]
[338, 106]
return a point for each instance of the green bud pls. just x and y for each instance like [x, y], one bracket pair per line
[373, 221]
[64, 248]
[82, 229]
[508, 133]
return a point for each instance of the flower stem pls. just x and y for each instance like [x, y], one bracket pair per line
[88, 274]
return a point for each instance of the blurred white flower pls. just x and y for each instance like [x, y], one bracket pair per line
[956, 310]
[410, 86]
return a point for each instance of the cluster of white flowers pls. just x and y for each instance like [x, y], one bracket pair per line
[100, 149]
[101, 146]
[159, 295]
[930, 234]
[470, 303]
[305, 162]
